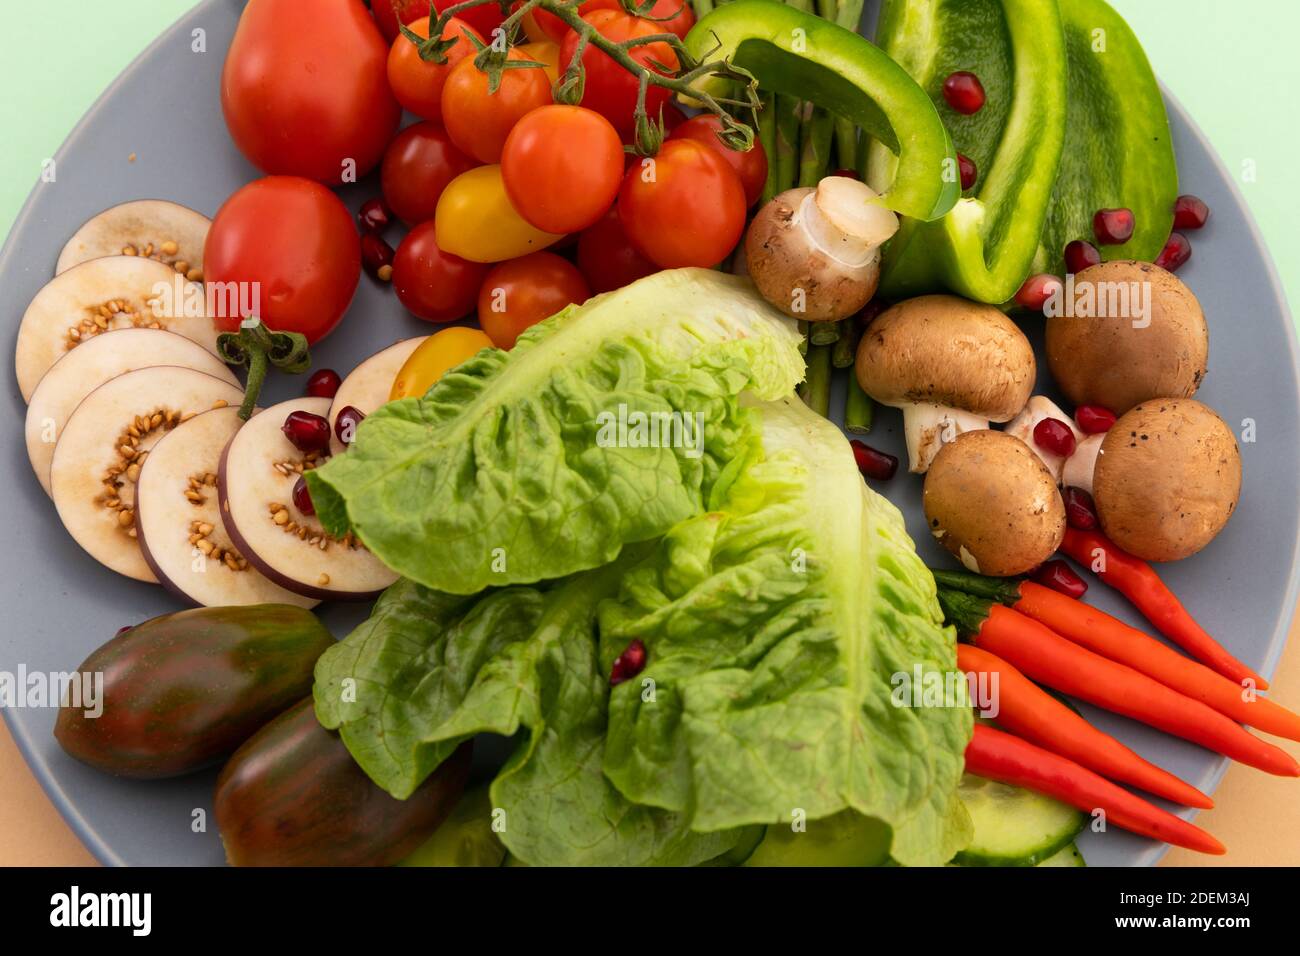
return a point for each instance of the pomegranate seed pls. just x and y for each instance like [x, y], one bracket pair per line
[1080, 512]
[377, 257]
[873, 464]
[123, 629]
[1059, 576]
[1094, 419]
[307, 431]
[1055, 436]
[1176, 252]
[302, 497]
[628, 664]
[846, 173]
[1113, 227]
[346, 422]
[968, 172]
[1079, 255]
[1190, 213]
[1035, 292]
[374, 216]
[324, 382]
[964, 92]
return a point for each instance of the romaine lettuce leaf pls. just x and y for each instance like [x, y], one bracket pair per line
[774, 628]
[504, 472]
[429, 670]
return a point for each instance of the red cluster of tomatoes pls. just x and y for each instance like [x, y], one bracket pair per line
[517, 206]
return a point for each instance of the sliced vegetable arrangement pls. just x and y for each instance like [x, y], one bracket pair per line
[609, 520]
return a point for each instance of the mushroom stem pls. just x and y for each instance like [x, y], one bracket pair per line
[843, 218]
[929, 427]
[1037, 409]
[1080, 466]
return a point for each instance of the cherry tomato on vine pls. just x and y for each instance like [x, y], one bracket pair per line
[434, 285]
[546, 52]
[418, 165]
[477, 121]
[555, 28]
[306, 95]
[667, 16]
[750, 166]
[418, 83]
[611, 90]
[387, 13]
[518, 294]
[484, 18]
[606, 257]
[684, 207]
[562, 167]
[292, 243]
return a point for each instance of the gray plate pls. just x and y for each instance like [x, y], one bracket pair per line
[60, 605]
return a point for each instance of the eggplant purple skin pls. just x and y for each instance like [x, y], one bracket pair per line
[293, 796]
[184, 690]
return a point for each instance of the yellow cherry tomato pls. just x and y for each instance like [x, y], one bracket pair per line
[531, 30]
[433, 357]
[474, 220]
[544, 51]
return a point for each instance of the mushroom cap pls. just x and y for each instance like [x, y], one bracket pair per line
[993, 504]
[1167, 479]
[1106, 360]
[945, 350]
[779, 260]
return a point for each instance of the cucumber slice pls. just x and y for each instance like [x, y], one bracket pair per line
[1070, 856]
[1014, 826]
[464, 839]
[844, 839]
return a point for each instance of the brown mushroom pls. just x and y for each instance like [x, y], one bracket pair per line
[1167, 479]
[950, 364]
[1133, 332]
[814, 252]
[993, 504]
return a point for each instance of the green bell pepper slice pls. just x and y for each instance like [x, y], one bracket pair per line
[797, 54]
[1118, 150]
[986, 246]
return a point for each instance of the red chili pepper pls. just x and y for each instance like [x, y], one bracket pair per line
[1028, 711]
[1044, 656]
[1009, 759]
[1138, 581]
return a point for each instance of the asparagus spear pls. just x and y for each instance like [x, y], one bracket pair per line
[787, 141]
[859, 409]
[767, 139]
[816, 389]
[846, 346]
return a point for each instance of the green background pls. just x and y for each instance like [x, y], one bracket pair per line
[1230, 62]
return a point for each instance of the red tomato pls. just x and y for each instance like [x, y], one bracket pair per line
[611, 90]
[417, 83]
[484, 18]
[606, 257]
[750, 166]
[418, 165]
[305, 95]
[286, 247]
[684, 207]
[562, 167]
[521, 292]
[555, 28]
[388, 12]
[477, 121]
[434, 285]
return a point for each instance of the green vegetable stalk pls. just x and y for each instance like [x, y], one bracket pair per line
[787, 141]
[846, 343]
[767, 139]
[816, 389]
[859, 409]
[815, 145]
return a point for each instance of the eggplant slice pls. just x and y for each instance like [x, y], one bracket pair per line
[369, 385]
[258, 471]
[118, 292]
[89, 366]
[105, 443]
[178, 518]
[150, 228]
